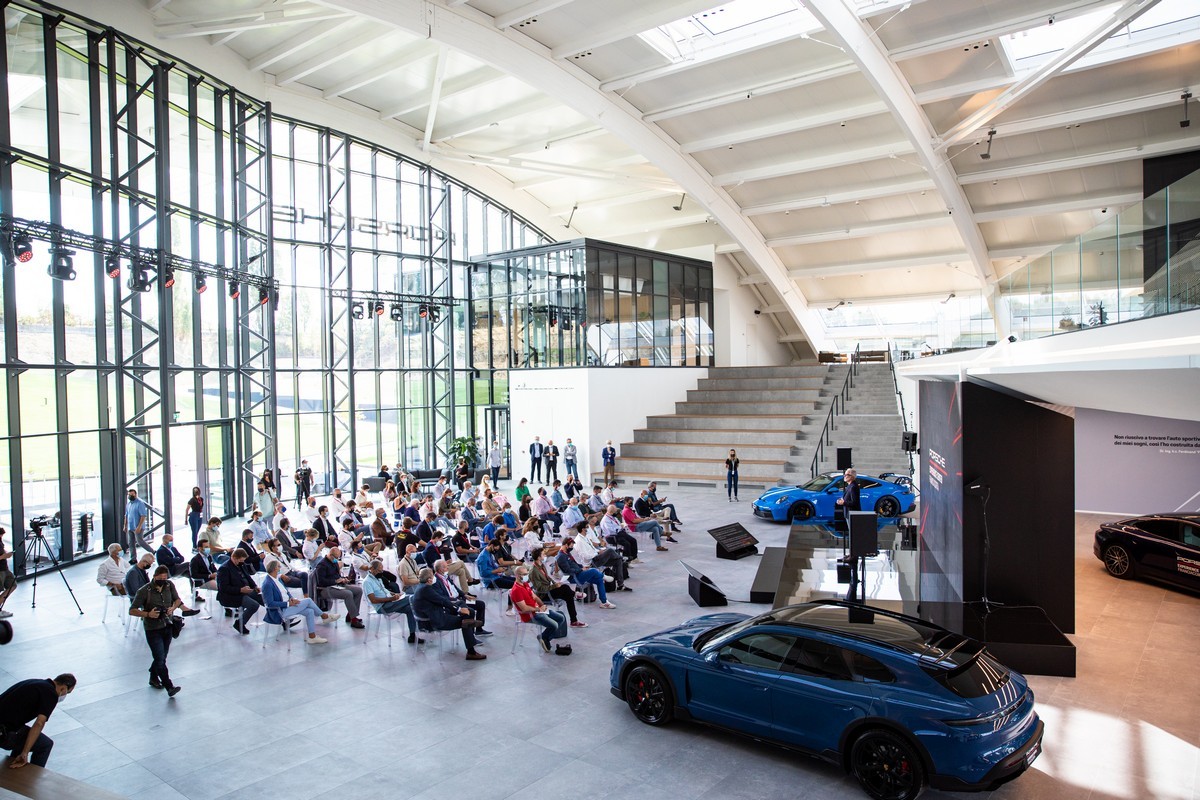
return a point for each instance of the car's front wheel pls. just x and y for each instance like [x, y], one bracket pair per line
[887, 766]
[887, 507]
[801, 512]
[649, 695]
[1118, 562]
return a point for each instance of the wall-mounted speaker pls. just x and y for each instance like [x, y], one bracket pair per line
[908, 442]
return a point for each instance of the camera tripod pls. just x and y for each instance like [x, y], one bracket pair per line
[34, 549]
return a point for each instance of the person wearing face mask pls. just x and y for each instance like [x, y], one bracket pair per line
[154, 603]
[546, 586]
[495, 460]
[212, 536]
[335, 587]
[25, 702]
[169, 557]
[534, 610]
[203, 572]
[579, 576]
[138, 576]
[442, 613]
[137, 514]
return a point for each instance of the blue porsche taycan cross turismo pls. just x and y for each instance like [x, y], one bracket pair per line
[897, 702]
[816, 500]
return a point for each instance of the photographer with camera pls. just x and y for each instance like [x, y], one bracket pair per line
[155, 603]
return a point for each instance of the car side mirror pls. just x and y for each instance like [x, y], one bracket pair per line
[714, 658]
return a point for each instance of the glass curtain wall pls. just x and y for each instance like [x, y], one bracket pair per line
[225, 344]
[587, 303]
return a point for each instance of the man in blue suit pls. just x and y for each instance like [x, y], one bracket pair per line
[167, 556]
[536, 451]
[283, 609]
[443, 615]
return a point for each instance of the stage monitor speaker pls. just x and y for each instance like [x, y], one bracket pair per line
[864, 534]
[703, 590]
[909, 442]
[844, 459]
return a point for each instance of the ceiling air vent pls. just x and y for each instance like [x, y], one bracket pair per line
[584, 54]
[527, 22]
[981, 45]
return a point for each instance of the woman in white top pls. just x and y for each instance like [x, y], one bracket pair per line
[264, 502]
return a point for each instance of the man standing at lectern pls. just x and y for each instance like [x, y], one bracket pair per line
[850, 494]
[536, 451]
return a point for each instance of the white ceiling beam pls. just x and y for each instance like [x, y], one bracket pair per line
[758, 90]
[273, 19]
[1127, 13]
[528, 11]
[612, 201]
[456, 85]
[757, 279]
[995, 28]
[861, 231]
[541, 167]
[551, 140]
[472, 31]
[612, 165]
[1063, 205]
[277, 7]
[1023, 251]
[626, 25]
[156, 5]
[799, 166]
[391, 64]
[784, 127]
[1061, 163]
[435, 96]
[895, 90]
[294, 44]
[1069, 118]
[332, 53]
[657, 224]
[772, 309]
[883, 188]
[879, 265]
[495, 117]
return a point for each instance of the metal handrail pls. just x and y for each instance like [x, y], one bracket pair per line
[912, 466]
[840, 398]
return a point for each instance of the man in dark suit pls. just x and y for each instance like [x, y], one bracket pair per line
[425, 529]
[323, 526]
[203, 571]
[253, 559]
[167, 556]
[235, 589]
[551, 456]
[850, 499]
[443, 615]
[536, 451]
[609, 457]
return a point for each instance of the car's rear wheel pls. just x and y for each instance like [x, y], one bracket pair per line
[1118, 562]
[887, 507]
[887, 766]
[649, 695]
[801, 512]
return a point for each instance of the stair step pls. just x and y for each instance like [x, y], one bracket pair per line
[732, 436]
[714, 451]
[744, 384]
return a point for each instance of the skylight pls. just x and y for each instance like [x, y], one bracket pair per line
[1030, 48]
[682, 38]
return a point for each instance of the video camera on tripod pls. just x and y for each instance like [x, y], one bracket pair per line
[44, 521]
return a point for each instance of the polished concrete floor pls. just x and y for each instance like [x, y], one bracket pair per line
[355, 719]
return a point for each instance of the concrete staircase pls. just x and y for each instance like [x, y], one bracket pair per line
[759, 411]
[871, 426]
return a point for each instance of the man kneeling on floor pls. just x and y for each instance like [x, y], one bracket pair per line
[430, 603]
[534, 610]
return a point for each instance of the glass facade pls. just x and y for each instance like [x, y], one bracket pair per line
[589, 303]
[227, 343]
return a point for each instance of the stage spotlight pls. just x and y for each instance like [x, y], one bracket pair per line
[434, 314]
[356, 310]
[22, 248]
[378, 308]
[988, 154]
[235, 290]
[423, 311]
[112, 266]
[168, 278]
[61, 267]
[201, 284]
[139, 277]
[264, 297]
[397, 311]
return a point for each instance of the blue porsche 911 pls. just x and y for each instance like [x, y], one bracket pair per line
[897, 702]
[817, 499]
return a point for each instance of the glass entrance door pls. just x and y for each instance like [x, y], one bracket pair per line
[219, 469]
[495, 426]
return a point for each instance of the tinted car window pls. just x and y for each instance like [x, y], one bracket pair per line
[870, 670]
[1191, 535]
[981, 676]
[816, 484]
[820, 660]
[867, 483]
[765, 650]
[1165, 528]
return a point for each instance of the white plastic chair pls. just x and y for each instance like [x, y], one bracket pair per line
[378, 618]
[109, 597]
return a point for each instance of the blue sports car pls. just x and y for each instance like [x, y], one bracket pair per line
[817, 499]
[896, 701]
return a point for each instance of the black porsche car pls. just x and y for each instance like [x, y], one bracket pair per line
[1162, 547]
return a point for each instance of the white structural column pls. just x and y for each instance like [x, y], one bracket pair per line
[893, 89]
[473, 32]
